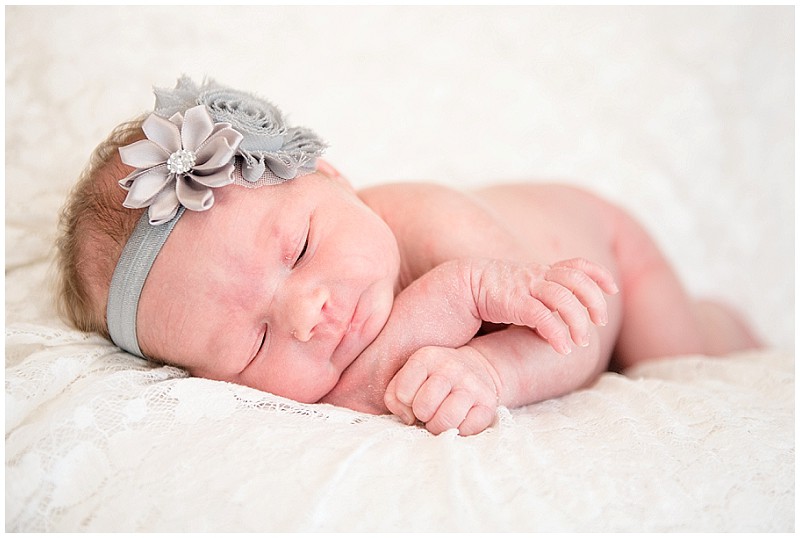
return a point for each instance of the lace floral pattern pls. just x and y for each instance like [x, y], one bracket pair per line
[97, 440]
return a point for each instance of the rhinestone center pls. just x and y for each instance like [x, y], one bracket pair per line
[181, 161]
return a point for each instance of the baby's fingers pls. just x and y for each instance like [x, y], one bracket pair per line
[403, 388]
[595, 271]
[572, 314]
[478, 419]
[584, 289]
[396, 407]
[461, 410]
[538, 312]
[451, 413]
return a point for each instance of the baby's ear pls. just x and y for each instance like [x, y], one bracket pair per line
[327, 169]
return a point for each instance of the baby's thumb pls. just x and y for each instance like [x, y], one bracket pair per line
[396, 407]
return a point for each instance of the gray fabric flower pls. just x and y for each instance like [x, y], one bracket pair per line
[268, 142]
[179, 163]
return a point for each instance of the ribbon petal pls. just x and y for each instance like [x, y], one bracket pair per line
[253, 173]
[143, 154]
[215, 179]
[170, 101]
[197, 127]
[282, 165]
[163, 132]
[144, 187]
[164, 207]
[214, 154]
[192, 195]
[305, 141]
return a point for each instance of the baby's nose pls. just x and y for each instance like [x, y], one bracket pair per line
[307, 313]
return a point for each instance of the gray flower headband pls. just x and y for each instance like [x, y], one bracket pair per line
[197, 139]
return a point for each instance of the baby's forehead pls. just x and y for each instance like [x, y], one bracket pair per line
[240, 216]
[270, 193]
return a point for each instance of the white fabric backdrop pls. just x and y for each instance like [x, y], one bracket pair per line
[682, 115]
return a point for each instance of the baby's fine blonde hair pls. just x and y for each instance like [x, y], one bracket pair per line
[93, 229]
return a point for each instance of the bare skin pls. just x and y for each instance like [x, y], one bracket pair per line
[652, 317]
[375, 300]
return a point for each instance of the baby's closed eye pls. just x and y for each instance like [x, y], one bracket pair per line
[261, 342]
[302, 251]
[300, 247]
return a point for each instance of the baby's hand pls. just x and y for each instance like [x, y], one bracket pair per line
[531, 294]
[445, 388]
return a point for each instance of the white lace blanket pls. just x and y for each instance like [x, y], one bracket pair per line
[678, 114]
[97, 440]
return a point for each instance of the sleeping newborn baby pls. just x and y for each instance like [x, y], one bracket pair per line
[210, 235]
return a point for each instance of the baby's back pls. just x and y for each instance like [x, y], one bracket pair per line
[555, 222]
[539, 223]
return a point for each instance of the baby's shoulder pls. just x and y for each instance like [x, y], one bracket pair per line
[407, 191]
[540, 190]
[437, 198]
[421, 197]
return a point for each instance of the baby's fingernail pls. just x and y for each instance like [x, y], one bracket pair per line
[406, 417]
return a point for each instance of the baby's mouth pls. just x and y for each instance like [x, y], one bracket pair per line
[348, 328]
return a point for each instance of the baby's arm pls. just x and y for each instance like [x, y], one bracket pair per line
[461, 388]
[446, 306]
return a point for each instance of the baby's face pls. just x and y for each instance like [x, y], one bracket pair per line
[279, 288]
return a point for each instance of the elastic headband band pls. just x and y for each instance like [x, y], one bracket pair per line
[129, 277]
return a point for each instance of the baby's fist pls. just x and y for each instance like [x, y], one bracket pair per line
[445, 388]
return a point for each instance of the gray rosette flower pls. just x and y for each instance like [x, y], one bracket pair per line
[268, 142]
[179, 162]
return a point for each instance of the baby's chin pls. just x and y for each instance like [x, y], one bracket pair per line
[377, 319]
[371, 315]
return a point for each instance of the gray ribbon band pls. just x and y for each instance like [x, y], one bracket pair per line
[129, 277]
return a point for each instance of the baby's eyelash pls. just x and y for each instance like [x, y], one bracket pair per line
[260, 345]
[263, 339]
[304, 248]
[302, 252]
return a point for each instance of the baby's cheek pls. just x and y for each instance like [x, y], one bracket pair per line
[295, 378]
